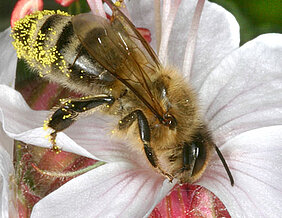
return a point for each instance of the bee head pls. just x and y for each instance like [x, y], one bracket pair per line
[195, 155]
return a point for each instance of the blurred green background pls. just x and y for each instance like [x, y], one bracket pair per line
[254, 16]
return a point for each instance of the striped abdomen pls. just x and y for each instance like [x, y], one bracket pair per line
[47, 42]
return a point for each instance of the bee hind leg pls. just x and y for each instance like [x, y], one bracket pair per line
[145, 136]
[69, 111]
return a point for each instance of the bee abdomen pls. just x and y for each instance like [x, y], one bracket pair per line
[47, 42]
[35, 40]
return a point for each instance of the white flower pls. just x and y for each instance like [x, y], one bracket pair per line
[240, 92]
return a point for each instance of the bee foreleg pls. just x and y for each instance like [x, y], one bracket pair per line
[145, 136]
[68, 112]
[144, 132]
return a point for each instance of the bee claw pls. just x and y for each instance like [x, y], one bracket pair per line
[56, 149]
[170, 179]
[168, 176]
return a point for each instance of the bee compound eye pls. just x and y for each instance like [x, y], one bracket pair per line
[194, 155]
[190, 154]
[199, 154]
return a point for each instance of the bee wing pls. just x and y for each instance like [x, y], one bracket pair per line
[120, 48]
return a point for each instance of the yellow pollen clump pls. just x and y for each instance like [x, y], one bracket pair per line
[117, 3]
[66, 116]
[46, 122]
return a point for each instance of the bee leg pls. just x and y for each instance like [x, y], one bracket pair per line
[144, 132]
[68, 112]
[145, 136]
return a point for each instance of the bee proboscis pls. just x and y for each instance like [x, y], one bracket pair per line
[109, 62]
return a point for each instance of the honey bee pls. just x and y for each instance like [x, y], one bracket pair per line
[119, 73]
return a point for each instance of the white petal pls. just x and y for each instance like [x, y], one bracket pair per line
[21, 123]
[6, 169]
[15, 114]
[142, 15]
[218, 35]
[244, 91]
[255, 160]
[7, 142]
[39, 137]
[112, 190]
[93, 133]
[8, 59]
[165, 190]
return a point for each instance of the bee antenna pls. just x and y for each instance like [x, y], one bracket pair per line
[225, 165]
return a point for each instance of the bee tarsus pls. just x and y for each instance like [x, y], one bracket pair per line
[144, 132]
[54, 148]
